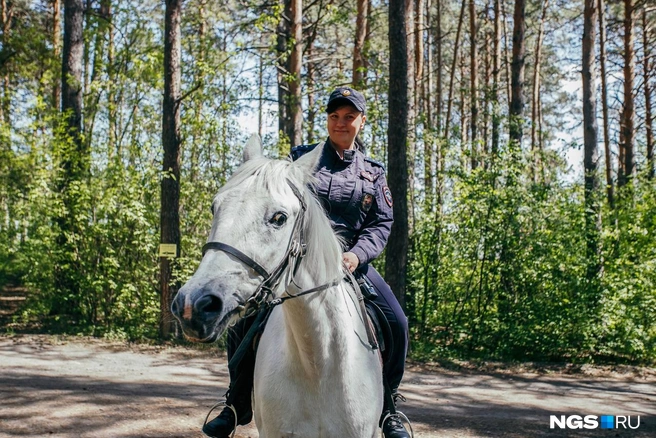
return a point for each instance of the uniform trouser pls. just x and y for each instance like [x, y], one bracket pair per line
[241, 378]
[398, 322]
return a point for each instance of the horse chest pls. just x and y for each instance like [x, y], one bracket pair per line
[292, 402]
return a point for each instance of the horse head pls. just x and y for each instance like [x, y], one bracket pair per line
[256, 215]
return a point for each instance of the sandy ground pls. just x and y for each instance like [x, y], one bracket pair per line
[82, 387]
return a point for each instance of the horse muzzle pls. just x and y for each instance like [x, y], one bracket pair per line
[201, 314]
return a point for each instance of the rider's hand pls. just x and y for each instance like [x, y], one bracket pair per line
[351, 261]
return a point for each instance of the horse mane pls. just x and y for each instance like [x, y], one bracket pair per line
[324, 247]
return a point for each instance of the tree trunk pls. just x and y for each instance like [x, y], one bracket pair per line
[200, 79]
[464, 120]
[648, 112]
[260, 94]
[496, 73]
[283, 32]
[72, 84]
[56, 48]
[5, 98]
[487, 77]
[439, 66]
[604, 103]
[506, 53]
[517, 72]
[536, 91]
[454, 64]
[296, 60]
[396, 257]
[359, 67]
[473, 84]
[590, 150]
[427, 92]
[111, 95]
[170, 184]
[627, 140]
[418, 47]
[91, 108]
[411, 151]
[440, 146]
[74, 164]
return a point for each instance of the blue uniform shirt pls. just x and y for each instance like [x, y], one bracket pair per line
[354, 193]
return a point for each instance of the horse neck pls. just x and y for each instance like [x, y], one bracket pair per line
[316, 325]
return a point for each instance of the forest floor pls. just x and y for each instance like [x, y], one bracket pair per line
[74, 387]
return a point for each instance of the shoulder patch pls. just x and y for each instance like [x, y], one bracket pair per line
[387, 194]
[374, 162]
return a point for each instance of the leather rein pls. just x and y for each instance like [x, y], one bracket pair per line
[296, 250]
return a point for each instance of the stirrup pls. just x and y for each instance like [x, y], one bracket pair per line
[401, 416]
[234, 411]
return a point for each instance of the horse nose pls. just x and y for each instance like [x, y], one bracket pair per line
[209, 304]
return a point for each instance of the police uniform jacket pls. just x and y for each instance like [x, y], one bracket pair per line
[355, 195]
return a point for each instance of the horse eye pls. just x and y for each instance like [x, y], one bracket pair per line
[278, 219]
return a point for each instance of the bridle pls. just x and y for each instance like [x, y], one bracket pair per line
[296, 250]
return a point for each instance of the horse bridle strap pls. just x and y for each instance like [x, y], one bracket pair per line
[238, 254]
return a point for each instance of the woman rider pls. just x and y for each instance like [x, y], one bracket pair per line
[354, 193]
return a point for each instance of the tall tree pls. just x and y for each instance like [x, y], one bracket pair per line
[535, 99]
[56, 48]
[439, 122]
[396, 258]
[311, 95]
[439, 65]
[283, 38]
[496, 74]
[517, 72]
[411, 29]
[506, 52]
[75, 161]
[627, 139]
[604, 103]
[454, 64]
[170, 182]
[72, 74]
[646, 84]
[428, 103]
[473, 84]
[359, 65]
[294, 78]
[590, 148]
[6, 18]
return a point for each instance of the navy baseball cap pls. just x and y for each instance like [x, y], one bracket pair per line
[346, 96]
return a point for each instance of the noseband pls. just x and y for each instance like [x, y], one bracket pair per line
[296, 249]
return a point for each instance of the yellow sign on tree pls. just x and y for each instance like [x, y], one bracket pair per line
[169, 250]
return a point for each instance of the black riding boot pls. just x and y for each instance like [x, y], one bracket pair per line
[224, 424]
[391, 421]
[241, 385]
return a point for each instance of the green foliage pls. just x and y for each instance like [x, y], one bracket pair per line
[498, 265]
[500, 273]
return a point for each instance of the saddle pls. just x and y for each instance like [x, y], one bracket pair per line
[376, 319]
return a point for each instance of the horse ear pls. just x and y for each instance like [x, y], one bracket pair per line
[308, 163]
[253, 148]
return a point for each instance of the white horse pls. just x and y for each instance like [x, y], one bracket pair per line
[315, 374]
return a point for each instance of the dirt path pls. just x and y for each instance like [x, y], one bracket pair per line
[92, 388]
